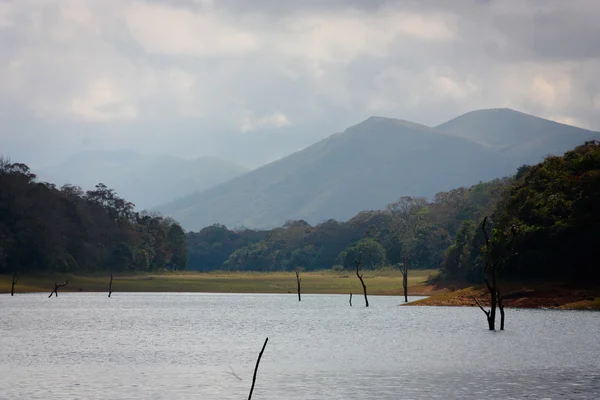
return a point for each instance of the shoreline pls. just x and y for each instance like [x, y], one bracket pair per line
[532, 296]
[379, 282]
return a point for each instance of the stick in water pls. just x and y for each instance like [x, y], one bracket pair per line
[256, 368]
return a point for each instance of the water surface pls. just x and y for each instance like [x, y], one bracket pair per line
[204, 346]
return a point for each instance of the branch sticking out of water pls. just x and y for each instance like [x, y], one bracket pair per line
[256, 368]
[56, 286]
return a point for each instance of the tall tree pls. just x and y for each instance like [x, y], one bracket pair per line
[408, 214]
[177, 245]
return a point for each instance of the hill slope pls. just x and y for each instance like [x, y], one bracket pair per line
[365, 167]
[524, 138]
[145, 180]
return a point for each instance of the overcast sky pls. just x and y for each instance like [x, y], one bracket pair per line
[252, 80]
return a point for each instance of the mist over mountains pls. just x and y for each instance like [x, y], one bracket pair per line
[145, 180]
[364, 167]
[373, 163]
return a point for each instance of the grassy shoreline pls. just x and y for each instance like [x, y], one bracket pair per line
[379, 282]
[519, 295]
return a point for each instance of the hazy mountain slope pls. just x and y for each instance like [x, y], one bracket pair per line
[525, 138]
[365, 167]
[146, 180]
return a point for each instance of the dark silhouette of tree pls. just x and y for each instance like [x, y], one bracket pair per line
[15, 280]
[360, 277]
[110, 285]
[256, 368]
[56, 287]
[298, 280]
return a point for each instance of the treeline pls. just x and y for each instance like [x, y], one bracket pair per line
[48, 229]
[546, 224]
[545, 219]
[410, 230]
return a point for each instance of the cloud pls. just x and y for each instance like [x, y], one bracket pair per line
[163, 29]
[275, 120]
[182, 75]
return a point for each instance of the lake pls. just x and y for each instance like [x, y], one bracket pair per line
[204, 346]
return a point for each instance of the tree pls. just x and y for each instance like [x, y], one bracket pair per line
[178, 246]
[371, 253]
[298, 279]
[362, 282]
[494, 257]
[56, 287]
[408, 214]
[457, 255]
[15, 280]
[122, 257]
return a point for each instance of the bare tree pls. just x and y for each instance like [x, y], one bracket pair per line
[404, 271]
[110, 285]
[15, 280]
[490, 269]
[256, 368]
[408, 216]
[298, 279]
[56, 286]
[350, 299]
[501, 308]
[360, 277]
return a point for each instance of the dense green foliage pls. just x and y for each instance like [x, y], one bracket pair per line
[554, 208]
[45, 229]
[378, 234]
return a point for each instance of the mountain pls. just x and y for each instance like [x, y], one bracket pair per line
[365, 167]
[146, 180]
[525, 138]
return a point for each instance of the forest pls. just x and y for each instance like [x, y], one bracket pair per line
[45, 229]
[547, 214]
[551, 207]
[383, 237]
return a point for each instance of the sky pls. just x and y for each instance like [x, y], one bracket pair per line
[254, 80]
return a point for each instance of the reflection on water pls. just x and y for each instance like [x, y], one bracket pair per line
[184, 346]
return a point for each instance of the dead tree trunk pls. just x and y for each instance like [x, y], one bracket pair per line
[501, 308]
[404, 271]
[298, 279]
[360, 277]
[256, 368]
[56, 286]
[489, 269]
[491, 318]
[110, 285]
[350, 299]
[15, 280]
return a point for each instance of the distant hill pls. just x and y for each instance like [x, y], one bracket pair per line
[526, 139]
[146, 180]
[365, 167]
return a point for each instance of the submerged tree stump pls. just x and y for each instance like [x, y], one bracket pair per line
[298, 279]
[15, 279]
[110, 285]
[360, 277]
[256, 368]
[56, 287]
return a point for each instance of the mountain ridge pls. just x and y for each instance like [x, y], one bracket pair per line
[336, 177]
